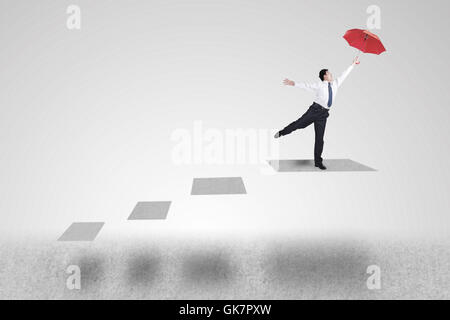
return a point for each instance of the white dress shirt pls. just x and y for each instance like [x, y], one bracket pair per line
[321, 88]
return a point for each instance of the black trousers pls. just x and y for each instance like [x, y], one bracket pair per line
[318, 115]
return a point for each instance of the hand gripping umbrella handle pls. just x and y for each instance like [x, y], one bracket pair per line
[357, 55]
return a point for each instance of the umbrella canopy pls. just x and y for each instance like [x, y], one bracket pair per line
[365, 41]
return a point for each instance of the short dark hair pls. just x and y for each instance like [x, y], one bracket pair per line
[322, 73]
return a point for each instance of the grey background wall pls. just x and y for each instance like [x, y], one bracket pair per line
[87, 116]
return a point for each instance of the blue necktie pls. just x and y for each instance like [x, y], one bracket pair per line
[330, 95]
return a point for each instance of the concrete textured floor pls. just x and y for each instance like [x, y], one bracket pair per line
[209, 268]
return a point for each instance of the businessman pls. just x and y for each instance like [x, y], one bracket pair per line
[325, 92]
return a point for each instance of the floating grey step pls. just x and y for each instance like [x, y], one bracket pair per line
[308, 165]
[82, 231]
[150, 210]
[215, 186]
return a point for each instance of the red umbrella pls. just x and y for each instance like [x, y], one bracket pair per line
[365, 41]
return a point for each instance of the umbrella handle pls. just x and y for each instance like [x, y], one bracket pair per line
[357, 56]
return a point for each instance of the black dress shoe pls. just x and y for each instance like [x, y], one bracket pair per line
[321, 166]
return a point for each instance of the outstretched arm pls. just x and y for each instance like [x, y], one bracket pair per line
[344, 75]
[301, 85]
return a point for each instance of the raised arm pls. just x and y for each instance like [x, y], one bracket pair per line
[340, 80]
[301, 85]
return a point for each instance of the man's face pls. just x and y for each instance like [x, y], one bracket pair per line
[328, 76]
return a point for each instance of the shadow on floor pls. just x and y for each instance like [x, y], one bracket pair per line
[297, 268]
[208, 269]
[92, 269]
[143, 269]
[318, 266]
